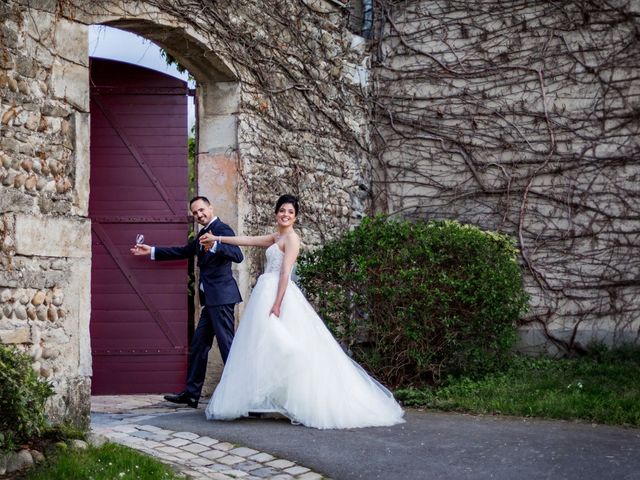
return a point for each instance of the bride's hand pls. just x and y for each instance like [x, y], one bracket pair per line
[207, 240]
[275, 310]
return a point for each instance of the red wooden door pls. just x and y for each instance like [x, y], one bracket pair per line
[138, 185]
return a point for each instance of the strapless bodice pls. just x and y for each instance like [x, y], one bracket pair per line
[274, 259]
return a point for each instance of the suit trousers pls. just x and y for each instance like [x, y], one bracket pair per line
[218, 322]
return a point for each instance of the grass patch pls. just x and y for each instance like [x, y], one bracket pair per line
[108, 462]
[602, 388]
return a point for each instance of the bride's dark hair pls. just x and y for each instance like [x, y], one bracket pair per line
[287, 199]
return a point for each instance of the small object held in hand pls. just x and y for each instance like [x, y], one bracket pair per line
[139, 240]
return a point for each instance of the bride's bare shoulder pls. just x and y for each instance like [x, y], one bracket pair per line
[292, 238]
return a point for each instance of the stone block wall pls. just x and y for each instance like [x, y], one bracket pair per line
[522, 117]
[45, 248]
[280, 111]
[517, 117]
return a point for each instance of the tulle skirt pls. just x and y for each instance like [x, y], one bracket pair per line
[292, 365]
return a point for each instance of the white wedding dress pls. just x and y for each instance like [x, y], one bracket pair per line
[292, 365]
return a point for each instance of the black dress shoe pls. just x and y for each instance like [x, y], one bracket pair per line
[183, 398]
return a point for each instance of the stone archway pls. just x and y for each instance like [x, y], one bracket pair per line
[300, 131]
[45, 225]
[217, 98]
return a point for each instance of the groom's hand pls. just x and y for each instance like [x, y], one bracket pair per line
[141, 249]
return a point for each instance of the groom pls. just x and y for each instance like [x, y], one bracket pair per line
[218, 294]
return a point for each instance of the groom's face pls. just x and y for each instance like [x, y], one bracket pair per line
[202, 212]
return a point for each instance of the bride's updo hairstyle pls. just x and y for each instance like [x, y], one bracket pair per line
[287, 199]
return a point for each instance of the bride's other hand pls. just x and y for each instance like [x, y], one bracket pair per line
[207, 240]
[275, 310]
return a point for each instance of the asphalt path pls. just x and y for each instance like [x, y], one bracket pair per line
[435, 446]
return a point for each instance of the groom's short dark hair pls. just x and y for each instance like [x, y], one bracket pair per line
[199, 197]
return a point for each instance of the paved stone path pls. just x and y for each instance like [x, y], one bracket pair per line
[119, 418]
[430, 445]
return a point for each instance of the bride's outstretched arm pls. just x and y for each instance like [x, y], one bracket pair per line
[291, 250]
[241, 240]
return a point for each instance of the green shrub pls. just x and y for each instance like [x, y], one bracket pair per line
[22, 398]
[414, 301]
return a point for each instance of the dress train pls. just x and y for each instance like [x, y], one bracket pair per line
[292, 365]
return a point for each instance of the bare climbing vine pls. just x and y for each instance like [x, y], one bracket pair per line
[522, 116]
[302, 127]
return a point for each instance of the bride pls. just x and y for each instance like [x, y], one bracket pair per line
[283, 359]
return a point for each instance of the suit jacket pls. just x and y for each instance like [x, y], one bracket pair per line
[220, 287]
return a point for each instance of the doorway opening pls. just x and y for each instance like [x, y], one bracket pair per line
[143, 314]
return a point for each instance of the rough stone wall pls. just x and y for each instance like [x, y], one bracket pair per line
[297, 113]
[523, 119]
[302, 125]
[522, 116]
[45, 236]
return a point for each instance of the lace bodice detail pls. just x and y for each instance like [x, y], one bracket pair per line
[274, 259]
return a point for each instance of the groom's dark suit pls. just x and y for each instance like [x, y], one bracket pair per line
[218, 295]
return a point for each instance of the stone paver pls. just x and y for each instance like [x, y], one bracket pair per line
[186, 435]
[248, 466]
[195, 448]
[186, 456]
[262, 457]
[236, 473]
[177, 442]
[230, 460]
[206, 441]
[310, 476]
[243, 451]
[169, 450]
[280, 463]
[213, 454]
[197, 457]
[223, 446]
[297, 470]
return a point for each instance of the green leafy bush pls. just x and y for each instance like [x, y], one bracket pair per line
[414, 301]
[22, 398]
